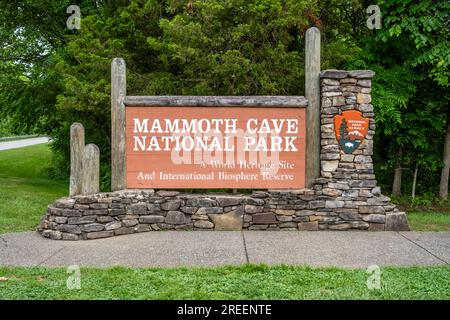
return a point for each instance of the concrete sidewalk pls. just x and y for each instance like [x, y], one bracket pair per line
[184, 248]
[6, 145]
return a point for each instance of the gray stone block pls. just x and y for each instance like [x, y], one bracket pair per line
[138, 208]
[308, 226]
[167, 193]
[93, 227]
[82, 220]
[253, 209]
[228, 201]
[71, 213]
[113, 225]
[264, 218]
[334, 74]
[374, 218]
[99, 234]
[396, 221]
[200, 202]
[123, 230]
[203, 224]
[69, 228]
[340, 226]
[65, 203]
[130, 222]
[361, 74]
[151, 219]
[104, 219]
[144, 228]
[70, 237]
[230, 221]
[99, 205]
[334, 204]
[177, 217]
[209, 210]
[171, 205]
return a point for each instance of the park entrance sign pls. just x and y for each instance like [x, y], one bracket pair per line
[215, 142]
[305, 162]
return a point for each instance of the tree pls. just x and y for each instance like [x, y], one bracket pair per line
[31, 31]
[410, 57]
[443, 186]
[425, 24]
[343, 130]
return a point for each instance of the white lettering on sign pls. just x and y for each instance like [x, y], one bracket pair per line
[201, 128]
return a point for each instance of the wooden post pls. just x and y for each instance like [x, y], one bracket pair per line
[312, 93]
[76, 158]
[118, 143]
[91, 169]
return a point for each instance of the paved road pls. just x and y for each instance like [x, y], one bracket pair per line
[6, 145]
[172, 248]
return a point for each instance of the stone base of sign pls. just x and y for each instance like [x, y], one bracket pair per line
[345, 197]
[130, 211]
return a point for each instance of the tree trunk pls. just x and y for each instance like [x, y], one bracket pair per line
[443, 185]
[413, 192]
[397, 183]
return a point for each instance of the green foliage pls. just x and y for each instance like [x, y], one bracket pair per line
[392, 91]
[7, 127]
[409, 92]
[426, 202]
[31, 31]
[28, 100]
[425, 24]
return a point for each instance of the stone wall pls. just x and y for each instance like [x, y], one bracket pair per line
[345, 197]
[132, 211]
[129, 211]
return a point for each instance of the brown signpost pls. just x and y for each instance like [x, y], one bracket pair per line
[225, 146]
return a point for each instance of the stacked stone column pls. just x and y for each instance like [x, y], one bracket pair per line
[349, 179]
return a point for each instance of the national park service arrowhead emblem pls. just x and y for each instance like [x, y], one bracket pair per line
[351, 129]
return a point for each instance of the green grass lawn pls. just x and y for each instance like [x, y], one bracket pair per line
[25, 190]
[429, 221]
[245, 282]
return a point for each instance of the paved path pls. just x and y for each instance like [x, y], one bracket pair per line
[183, 248]
[6, 145]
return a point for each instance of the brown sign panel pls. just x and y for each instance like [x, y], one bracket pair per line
[215, 147]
